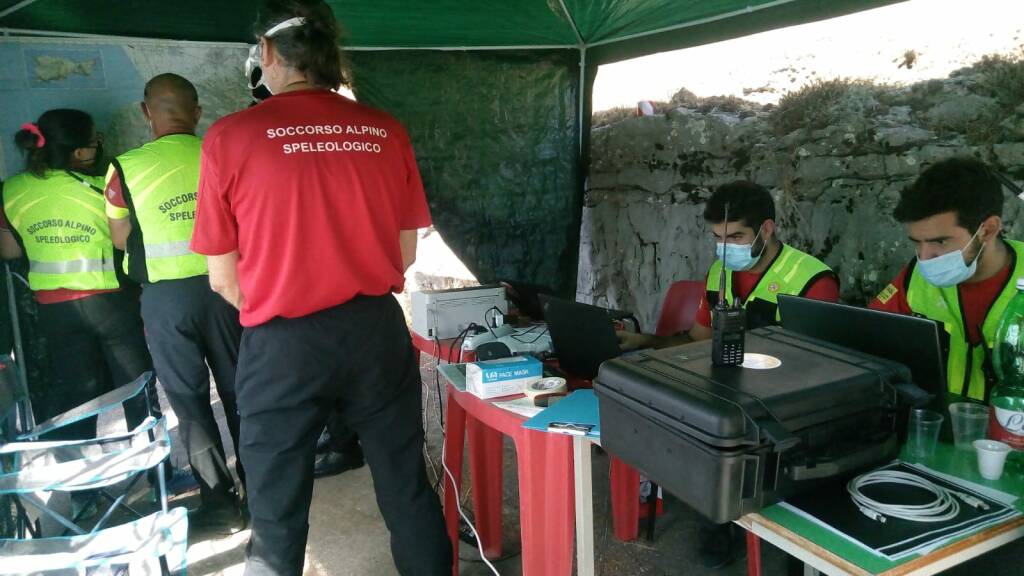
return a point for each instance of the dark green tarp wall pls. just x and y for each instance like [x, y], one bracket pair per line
[496, 138]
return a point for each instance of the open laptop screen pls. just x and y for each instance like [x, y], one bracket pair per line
[909, 340]
[583, 335]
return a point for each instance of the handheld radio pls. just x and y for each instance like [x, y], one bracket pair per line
[728, 322]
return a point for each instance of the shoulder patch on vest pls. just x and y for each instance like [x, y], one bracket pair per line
[887, 293]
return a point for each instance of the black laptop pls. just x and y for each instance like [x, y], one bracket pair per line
[909, 340]
[583, 335]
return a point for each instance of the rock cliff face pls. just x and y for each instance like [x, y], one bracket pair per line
[835, 156]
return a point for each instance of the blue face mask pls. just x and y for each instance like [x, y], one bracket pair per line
[949, 269]
[739, 257]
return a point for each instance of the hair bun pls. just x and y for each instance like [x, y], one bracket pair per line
[29, 137]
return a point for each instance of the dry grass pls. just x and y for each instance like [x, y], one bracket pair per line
[1003, 77]
[611, 116]
[810, 106]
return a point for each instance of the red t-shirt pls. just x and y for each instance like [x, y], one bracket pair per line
[976, 299]
[743, 283]
[312, 190]
[115, 195]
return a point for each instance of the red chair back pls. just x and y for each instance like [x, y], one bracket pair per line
[679, 310]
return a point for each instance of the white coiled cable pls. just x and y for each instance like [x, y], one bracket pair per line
[944, 507]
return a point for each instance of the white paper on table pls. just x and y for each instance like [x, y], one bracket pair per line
[523, 406]
[998, 496]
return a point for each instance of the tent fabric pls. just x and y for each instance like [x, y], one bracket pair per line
[495, 93]
[495, 135]
[618, 27]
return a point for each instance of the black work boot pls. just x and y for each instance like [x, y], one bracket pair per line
[332, 463]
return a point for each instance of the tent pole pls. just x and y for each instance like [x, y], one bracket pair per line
[25, 33]
[31, 33]
[20, 365]
[460, 48]
[709, 19]
[23, 4]
[572, 22]
[583, 95]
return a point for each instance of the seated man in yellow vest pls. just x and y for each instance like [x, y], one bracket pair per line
[963, 274]
[150, 205]
[759, 266]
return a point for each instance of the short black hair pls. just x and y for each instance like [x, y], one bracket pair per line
[962, 185]
[749, 203]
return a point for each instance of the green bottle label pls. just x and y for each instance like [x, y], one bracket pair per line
[1006, 422]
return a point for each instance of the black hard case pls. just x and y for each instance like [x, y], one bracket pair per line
[729, 440]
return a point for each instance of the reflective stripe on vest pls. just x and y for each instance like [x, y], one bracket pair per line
[63, 228]
[965, 367]
[168, 250]
[790, 273]
[70, 266]
[161, 179]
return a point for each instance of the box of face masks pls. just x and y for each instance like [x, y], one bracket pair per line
[502, 377]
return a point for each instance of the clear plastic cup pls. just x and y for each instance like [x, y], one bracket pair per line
[970, 423]
[991, 458]
[923, 432]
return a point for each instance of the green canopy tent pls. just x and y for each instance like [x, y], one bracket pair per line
[495, 93]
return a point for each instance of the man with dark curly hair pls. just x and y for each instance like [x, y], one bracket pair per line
[964, 271]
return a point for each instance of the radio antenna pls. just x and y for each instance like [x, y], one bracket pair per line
[725, 254]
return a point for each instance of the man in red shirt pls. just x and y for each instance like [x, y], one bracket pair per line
[758, 265]
[308, 209]
[963, 271]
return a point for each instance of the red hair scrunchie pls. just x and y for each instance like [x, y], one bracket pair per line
[34, 128]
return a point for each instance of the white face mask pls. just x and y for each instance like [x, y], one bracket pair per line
[252, 62]
[949, 269]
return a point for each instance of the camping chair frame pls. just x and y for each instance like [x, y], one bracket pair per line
[81, 474]
[104, 403]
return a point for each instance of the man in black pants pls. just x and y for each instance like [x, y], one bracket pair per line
[338, 448]
[308, 209]
[150, 206]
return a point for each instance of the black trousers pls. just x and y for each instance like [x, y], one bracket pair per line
[359, 358]
[189, 326]
[95, 344]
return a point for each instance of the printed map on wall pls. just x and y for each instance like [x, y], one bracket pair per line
[65, 69]
[106, 80]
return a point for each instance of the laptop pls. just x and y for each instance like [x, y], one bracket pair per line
[583, 335]
[909, 340]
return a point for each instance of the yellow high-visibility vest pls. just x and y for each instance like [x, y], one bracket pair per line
[159, 181]
[60, 222]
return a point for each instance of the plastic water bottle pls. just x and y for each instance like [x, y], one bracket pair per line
[1006, 420]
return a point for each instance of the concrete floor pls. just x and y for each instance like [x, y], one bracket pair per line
[347, 536]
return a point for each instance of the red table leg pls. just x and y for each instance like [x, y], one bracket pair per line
[625, 488]
[455, 434]
[546, 502]
[753, 554]
[485, 472]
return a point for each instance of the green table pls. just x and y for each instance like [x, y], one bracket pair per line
[824, 551]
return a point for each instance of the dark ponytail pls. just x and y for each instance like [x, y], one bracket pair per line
[312, 48]
[63, 131]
